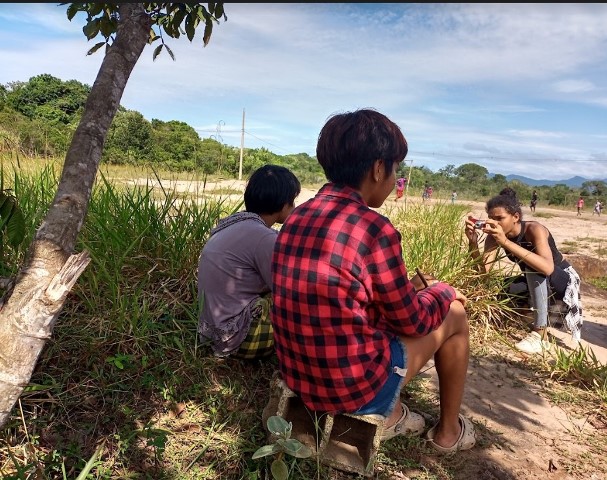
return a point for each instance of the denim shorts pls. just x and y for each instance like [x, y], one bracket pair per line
[389, 395]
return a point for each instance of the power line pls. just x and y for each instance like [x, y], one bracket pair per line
[265, 141]
[471, 157]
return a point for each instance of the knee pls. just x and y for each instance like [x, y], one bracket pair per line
[459, 318]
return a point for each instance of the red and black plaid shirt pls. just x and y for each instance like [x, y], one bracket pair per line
[341, 293]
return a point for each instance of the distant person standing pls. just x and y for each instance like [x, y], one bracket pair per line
[453, 196]
[580, 205]
[425, 192]
[534, 199]
[598, 206]
[400, 188]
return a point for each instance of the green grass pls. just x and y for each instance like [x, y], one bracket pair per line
[543, 215]
[124, 389]
[600, 282]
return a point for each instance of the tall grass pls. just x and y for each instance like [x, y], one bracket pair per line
[433, 240]
[125, 390]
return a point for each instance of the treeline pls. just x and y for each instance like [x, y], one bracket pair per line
[473, 182]
[38, 118]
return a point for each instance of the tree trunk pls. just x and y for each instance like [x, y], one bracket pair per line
[50, 269]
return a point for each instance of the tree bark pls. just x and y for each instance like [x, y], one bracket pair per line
[50, 269]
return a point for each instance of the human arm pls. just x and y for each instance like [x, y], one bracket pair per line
[404, 310]
[422, 281]
[487, 258]
[540, 260]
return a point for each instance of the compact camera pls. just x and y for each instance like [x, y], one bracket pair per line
[480, 224]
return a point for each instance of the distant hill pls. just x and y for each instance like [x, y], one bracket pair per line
[574, 182]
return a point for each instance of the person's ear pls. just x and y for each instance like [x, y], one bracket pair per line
[378, 169]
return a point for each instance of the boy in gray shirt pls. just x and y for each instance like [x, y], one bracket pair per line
[234, 279]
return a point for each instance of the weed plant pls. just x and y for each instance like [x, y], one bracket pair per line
[124, 389]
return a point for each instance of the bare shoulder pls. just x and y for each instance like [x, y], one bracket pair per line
[535, 229]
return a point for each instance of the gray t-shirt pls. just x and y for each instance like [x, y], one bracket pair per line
[233, 271]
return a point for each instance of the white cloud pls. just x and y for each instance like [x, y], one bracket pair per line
[574, 86]
[462, 80]
[536, 134]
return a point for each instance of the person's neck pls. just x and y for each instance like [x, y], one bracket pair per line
[269, 219]
[516, 231]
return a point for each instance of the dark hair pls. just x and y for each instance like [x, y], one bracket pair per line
[269, 188]
[350, 142]
[507, 200]
[508, 191]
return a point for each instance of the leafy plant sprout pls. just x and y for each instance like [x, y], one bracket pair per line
[284, 445]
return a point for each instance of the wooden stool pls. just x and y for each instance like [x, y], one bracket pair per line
[344, 441]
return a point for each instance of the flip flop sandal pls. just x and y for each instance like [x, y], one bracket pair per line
[466, 439]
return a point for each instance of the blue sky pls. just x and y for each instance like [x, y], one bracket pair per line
[517, 88]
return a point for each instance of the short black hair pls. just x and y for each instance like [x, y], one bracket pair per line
[270, 188]
[350, 142]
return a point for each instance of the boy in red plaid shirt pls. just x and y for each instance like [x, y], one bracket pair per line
[350, 328]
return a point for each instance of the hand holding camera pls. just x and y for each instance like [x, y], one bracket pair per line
[479, 224]
[474, 228]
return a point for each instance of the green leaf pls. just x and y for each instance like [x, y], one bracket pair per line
[203, 14]
[157, 51]
[265, 451]
[168, 29]
[176, 20]
[95, 8]
[91, 29]
[6, 208]
[15, 228]
[84, 474]
[190, 26]
[219, 11]
[72, 10]
[279, 470]
[153, 36]
[170, 52]
[95, 48]
[172, 7]
[208, 29]
[4, 198]
[295, 448]
[107, 26]
[278, 425]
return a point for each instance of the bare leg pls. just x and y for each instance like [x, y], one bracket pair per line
[449, 344]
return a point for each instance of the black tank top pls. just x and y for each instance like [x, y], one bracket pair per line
[557, 257]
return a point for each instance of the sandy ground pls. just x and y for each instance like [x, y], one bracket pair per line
[522, 432]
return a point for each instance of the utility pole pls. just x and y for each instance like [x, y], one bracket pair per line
[241, 147]
[408, 183]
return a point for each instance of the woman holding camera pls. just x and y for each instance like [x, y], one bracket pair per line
[532, 247]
